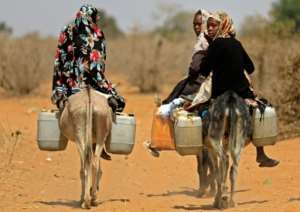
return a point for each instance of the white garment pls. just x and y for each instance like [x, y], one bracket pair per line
[205, 16]
[201, 43]
[204, 92]
[165, 110]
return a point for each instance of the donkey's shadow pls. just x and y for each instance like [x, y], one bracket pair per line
[67, 203]
[76, 204]
[184, 191]
[187, 192]
[210, 207]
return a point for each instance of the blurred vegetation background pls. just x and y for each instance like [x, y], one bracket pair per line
[155, 60]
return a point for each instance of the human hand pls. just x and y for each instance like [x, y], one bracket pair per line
[187, 105]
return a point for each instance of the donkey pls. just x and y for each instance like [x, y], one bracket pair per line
[230, 119]
[87, 120]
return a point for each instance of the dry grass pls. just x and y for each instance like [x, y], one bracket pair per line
[25, 63]
[277, 78]
[8, 141]
[148, 61]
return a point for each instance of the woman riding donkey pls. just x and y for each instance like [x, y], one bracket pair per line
[226, 59]
[80, 61]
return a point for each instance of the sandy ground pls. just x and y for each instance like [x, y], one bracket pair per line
[49, 181]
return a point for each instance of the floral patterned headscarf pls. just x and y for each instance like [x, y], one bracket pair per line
[226, 28]
[80, 57]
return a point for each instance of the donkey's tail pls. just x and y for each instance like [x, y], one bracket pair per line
[239, 122]
[88, 133]
[234, 126]
[229, 114]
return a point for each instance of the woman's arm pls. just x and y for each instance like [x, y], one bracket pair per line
[62, 66]
[207, 62]
[248, 64]
[197, 59]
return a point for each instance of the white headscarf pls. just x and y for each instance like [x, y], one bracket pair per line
[201, 43]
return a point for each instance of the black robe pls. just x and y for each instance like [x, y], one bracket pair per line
[190, 84]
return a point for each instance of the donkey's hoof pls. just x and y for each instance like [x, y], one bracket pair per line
[225, 202]
[94, 202]
[201, 192]
[86, 205]
[221, 203]
[217, 204]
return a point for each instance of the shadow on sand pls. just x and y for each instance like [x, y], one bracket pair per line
[193, 207]
[210, 206]
[67, 203]
[253, 202]
[76, 204]
[184, 191]
[292, 199]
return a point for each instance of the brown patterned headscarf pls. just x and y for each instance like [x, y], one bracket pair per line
[226, 28]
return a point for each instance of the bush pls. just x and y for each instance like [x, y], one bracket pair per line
[149, 61]
[25, 63]
[277, 78]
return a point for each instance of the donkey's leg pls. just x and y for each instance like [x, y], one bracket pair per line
[220, 200]
[85, 170]
[201, 174]
[103, 125]
[82, 170]
[226, 167]
[212, 173]
[218, 197]
[87, 179]
[85, 152]
[96, 172]
[216, 152]
[233, 174]
[209, 173]
[223, 170]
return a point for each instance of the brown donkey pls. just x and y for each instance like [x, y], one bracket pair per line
[87, 120]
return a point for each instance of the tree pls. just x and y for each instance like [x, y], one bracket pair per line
[4, 28]
[287, 12]
[109, 25]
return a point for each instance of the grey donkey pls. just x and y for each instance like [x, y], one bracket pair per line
[229, 128]
[87, 120]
